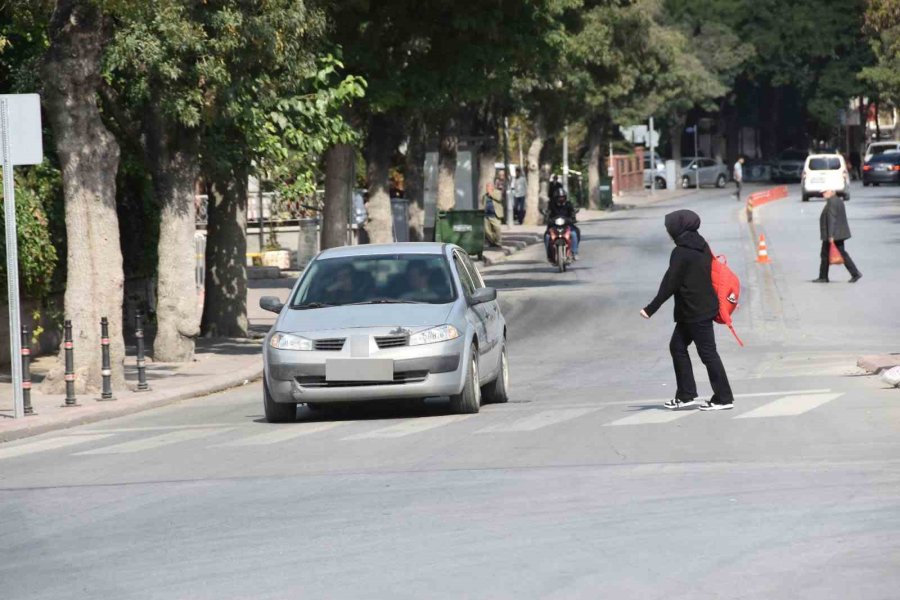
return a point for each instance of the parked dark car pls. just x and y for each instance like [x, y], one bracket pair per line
[789, 166]
[882, 168]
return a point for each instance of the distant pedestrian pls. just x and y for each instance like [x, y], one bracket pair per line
[520, 189]
[689, 279]
[855, 164]
[834, 228]
[493, 213]
[738, 177]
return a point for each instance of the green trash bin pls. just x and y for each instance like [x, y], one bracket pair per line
[465, 228]
[606, 192]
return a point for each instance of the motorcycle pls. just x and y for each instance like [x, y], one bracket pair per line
[559, 252]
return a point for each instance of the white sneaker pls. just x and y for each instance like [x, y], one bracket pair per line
[675, 403]
[716, 406]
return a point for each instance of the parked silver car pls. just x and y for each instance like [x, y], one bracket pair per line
[710, 172]
[385, 322]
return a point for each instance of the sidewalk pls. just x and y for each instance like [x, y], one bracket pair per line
[517, 237]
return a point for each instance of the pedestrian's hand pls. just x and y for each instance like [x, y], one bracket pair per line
[831, 240]
[644, 314]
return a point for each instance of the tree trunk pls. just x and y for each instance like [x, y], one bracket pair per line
[340, 161]
[174, 166]
[225, 303]
[89, 159]
[532, 198]
[446, 185]
[415, 180]
[379, 149]
[487, 159]
[595, 162]
[676, 132]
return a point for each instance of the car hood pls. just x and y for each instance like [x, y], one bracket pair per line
[366, 315]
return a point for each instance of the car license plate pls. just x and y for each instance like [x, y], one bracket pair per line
[359, 369]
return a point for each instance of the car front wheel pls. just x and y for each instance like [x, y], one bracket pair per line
[469, 400]
[685, 182]
[277, 412]
[720, 181]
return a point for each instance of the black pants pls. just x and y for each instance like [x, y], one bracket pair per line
[704, 338]
[848, 262]
[737, 192]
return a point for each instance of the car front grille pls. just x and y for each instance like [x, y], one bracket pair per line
[392, 341]
[330, 345]
[318, 381]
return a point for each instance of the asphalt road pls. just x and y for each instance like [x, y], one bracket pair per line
[580, 487]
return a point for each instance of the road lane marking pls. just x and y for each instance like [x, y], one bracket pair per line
[789, 406]
[50, 444]
[283, 434]
[653, 415]
[409, 427]
[155, 428]
[153, 442]
[539, 420]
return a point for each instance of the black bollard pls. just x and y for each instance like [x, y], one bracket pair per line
[106, 372]
[69, 346]
[26, 370]
[141, 365]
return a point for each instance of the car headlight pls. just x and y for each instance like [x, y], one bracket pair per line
[286, 341]
[442, 333]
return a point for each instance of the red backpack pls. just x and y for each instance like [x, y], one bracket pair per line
[728, 290]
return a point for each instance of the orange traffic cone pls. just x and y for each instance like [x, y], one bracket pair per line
[762, 254]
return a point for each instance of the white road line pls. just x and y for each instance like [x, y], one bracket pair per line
[156, 441]
[154, 428]
[538, 420]
[652, 415]
[49, 444]
[409, 427]
[751, 395]
[789, 406]
[284, 433]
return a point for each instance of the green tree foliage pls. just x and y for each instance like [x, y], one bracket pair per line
[35, 191]
[882, 20]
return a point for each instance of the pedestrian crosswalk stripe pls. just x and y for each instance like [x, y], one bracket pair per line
[285, 433]
[155, 441]
[409, 427]
[539, 420]
[155, 428]
[789, 406]
[652, 415]
[49, 444]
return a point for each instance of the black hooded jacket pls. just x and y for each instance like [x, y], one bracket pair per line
[689, 276]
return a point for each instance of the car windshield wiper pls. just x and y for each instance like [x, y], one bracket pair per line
[386, 301]
[308, 305]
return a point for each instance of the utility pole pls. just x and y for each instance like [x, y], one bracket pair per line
[521, 151]
[566, 159]
[508, 188]
[652, 146]
[697, 153]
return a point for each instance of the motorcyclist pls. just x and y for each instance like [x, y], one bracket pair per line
[561, 207]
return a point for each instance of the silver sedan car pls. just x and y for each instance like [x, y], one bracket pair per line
[385, 322]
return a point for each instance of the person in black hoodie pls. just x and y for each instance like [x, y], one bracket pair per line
[689, 279]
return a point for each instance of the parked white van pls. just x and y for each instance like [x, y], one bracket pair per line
[823, 172]
[876, 148]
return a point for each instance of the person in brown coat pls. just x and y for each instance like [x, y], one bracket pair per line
[833, 227]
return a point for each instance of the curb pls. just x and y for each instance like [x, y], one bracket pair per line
[510, 246]
[233, 380]
[876, 363]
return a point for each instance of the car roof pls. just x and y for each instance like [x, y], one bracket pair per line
[885, 143]
[379, 249]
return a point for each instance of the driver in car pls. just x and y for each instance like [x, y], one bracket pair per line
[561, 207]
[418, 283]
[340, 290]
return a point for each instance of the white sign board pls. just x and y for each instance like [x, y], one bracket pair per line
[25, 137]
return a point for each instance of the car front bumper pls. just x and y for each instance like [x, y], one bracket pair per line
[419, 372]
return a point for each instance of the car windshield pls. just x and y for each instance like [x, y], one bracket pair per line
[377, 279]
[686, 162]
[793, 155]
[825, 163]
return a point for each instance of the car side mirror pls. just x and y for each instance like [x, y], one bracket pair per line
[271, 304]
[483, 295]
